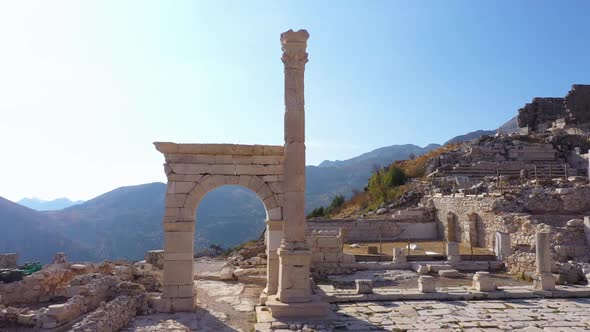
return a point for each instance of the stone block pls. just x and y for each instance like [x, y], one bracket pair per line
[175, 200]
[171, 291]
[544, 281]
[328, 241]
[453, 252]
[275, 213]
[277, 187]
[175, 227]
[364, 286]
[155, 258]
[399, 256]
[178, 272]
[483, 282]
[178, 256]
[271, 202]
[434, 268]
[449, 273]
[426, 284]
[179, 242]
[264, 191]
[178, 187]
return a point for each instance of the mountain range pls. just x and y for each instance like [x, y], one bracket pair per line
[43, 205]
[126, 222]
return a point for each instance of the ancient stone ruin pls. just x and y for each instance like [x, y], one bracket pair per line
[275, 173]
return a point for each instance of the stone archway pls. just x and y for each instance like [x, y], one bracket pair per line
[192, 171]
[275, 173]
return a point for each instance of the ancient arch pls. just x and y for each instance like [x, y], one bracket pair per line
[275, 173]
[195, 169]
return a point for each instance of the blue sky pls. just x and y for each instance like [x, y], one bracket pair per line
[87, 86]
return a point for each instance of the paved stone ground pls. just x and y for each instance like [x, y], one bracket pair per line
[529, 315]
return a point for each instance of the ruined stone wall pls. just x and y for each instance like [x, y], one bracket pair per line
[327, 251]
[373, 230]
[468, 219]
[577, 104]
[538, 114]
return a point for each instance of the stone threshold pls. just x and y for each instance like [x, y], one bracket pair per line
[457, 294]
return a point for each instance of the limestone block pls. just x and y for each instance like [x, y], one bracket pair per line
[227, 273]
[426, 284]
[162, 304]
[453, 252]
[175, 200]
[178, 272]
[212, 182]
[270, 202]
[270, 150]
[224, 159]
[328, 241]
[255, 183]
[347, 258]
[544, 281]
[267, 160]
[173, 227]
[232, 179]
[271, 178]
[155, 258]
[483, 282]
[275, 213]
[178, 187]
[178, 256]
[449, 273]
[264, 192]
[172, 213]
[178, 242]
[244, 180]
[331, 257]
[191, 168]
[277, 187]
[223, 169]
[178, 291]
[364, 286]
[166, 147]
[399, 256]
[243, 159]
[186, 304]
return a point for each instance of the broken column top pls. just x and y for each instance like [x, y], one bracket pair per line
[291, 36]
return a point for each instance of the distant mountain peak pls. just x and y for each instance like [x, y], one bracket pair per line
[45, 205]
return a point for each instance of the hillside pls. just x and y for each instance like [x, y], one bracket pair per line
[331, 178]
[29, 233]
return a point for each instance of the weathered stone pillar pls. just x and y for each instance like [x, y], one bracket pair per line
[294, 291]
[274, 235]
[453, 252]
[294, 255]
[399, 256]
[544, 280]
[503, 246]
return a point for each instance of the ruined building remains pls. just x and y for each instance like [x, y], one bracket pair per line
[543, 114]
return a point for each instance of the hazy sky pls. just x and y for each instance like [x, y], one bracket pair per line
[86, 87]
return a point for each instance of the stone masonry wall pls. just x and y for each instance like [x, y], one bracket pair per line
[373, 230]
[327, 251]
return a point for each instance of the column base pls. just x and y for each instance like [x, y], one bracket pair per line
[544, 281]
[174, 304]
[294, 282]
[315, 308]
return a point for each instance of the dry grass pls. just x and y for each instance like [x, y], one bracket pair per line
[431, 246]
[416, 168]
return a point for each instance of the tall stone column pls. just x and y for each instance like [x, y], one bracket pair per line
[294, 256]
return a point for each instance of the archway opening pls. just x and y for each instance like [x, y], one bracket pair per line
[226, 217]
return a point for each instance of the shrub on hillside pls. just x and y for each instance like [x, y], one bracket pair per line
[383, 183]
